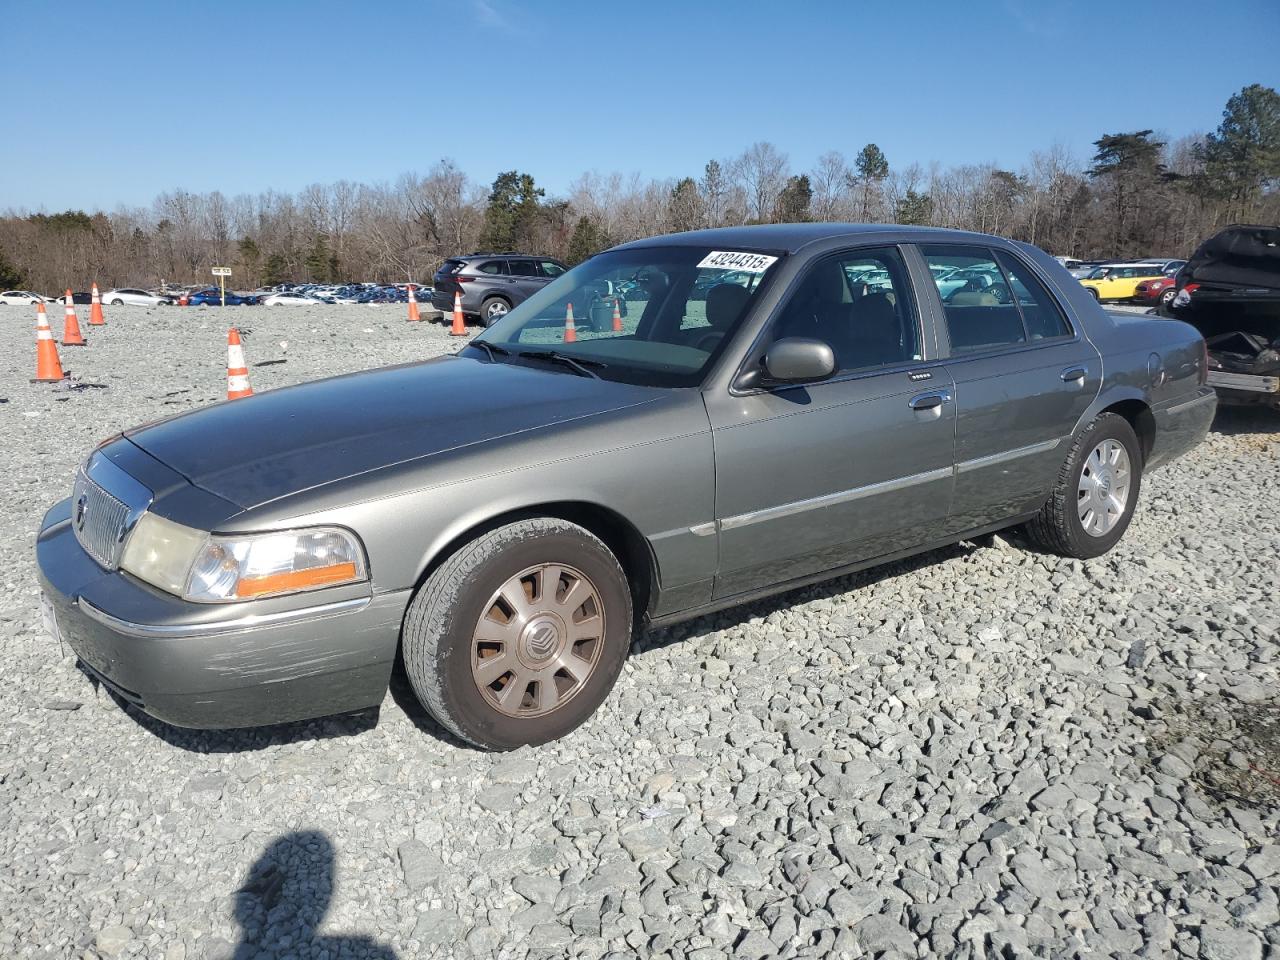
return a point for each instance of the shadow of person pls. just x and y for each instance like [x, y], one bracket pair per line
[284, 900]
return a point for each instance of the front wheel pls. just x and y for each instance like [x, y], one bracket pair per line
[1096, 491]
[1097, 299]
[1166, 298]
[117, 302]
[518, 637]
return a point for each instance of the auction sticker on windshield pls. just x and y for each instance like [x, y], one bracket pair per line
[730, 260]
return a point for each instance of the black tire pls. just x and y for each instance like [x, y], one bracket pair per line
[489, 304]
[1166, 298]
[439, 625]
[1097, 299]
[117, 303]
[1058, 527]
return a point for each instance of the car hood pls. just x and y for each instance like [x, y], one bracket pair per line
[257, 449]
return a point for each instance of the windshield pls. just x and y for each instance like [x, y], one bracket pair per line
[655, 316]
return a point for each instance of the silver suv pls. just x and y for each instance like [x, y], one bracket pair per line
[491, 283]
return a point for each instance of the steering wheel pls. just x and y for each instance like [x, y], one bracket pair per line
[1001, 292]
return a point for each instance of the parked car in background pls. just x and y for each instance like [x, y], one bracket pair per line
[291, 300]
[78, 296]
[503, 519]
[1230, 291]
[129, 296]
[1084, 267]
[491, 283]
[1119, 281]
[21, 298]
[1157, 292]
[212, 297]
[1167, 267]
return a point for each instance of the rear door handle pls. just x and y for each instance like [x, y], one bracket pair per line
[928, 401]
[1074, 373]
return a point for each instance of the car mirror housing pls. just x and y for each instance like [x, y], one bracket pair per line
[799, 360]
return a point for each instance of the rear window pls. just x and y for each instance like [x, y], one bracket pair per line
[451, 266]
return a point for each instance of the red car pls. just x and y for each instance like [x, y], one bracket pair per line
[1160, 290]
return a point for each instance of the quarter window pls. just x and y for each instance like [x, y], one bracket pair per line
[859, 303]
[1040, 312]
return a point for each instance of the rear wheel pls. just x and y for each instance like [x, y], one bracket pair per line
[1096, 491]
[518, 637]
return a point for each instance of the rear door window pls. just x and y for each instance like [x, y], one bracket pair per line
[522, 268]
[976, 300]
[493, 266]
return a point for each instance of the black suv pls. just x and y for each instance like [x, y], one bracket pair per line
[491, 283]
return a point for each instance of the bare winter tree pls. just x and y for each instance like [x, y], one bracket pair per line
[763, 171]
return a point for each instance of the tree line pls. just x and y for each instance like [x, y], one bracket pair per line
[1137, 195]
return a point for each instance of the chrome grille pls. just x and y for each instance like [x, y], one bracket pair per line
[100, 521]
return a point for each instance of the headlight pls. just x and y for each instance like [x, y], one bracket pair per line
[210, 568]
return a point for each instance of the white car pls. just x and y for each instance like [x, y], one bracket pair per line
[133, 298]
[291, 300]
[21, 298]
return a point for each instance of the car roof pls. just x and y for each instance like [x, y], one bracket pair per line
[792, 237]
[507, 256]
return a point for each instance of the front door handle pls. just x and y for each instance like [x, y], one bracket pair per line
[929, 401]
[1074, 373]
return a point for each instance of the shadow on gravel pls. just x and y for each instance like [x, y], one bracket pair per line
[825, 590]
[283, 902]
[1233, 421]
[251, 738]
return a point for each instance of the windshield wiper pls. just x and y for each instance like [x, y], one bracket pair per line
[580, 365]
[493, 350]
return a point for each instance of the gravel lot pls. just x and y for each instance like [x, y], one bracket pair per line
[982, 752]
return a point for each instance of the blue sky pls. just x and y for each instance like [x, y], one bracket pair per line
[117, 101]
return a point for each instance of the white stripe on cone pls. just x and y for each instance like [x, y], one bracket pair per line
[237, 382]
[235, 357]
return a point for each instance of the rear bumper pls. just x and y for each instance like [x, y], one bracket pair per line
[1181, 424]
[241, 665]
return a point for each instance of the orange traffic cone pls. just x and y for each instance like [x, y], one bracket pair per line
[71, 336]
[237, 372]
[96, 319]
[48, 366]
[459, 328]
[570, 331]
[413, 305]
[617, 317]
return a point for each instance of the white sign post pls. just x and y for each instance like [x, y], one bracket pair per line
[222, 273]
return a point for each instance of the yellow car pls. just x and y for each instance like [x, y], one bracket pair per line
[1119, 282]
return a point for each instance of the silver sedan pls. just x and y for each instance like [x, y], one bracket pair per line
[504, 520]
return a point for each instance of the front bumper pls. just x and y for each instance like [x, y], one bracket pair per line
[218, 666]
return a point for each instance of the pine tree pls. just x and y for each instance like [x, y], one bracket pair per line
[511, 216]
[1242, 157]
[872, 168]
[793, 203]
[10, 275]
[587, 240]
[714, 190]
[914, 208]
[685, 208]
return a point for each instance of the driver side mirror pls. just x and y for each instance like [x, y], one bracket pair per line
[791, 360]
